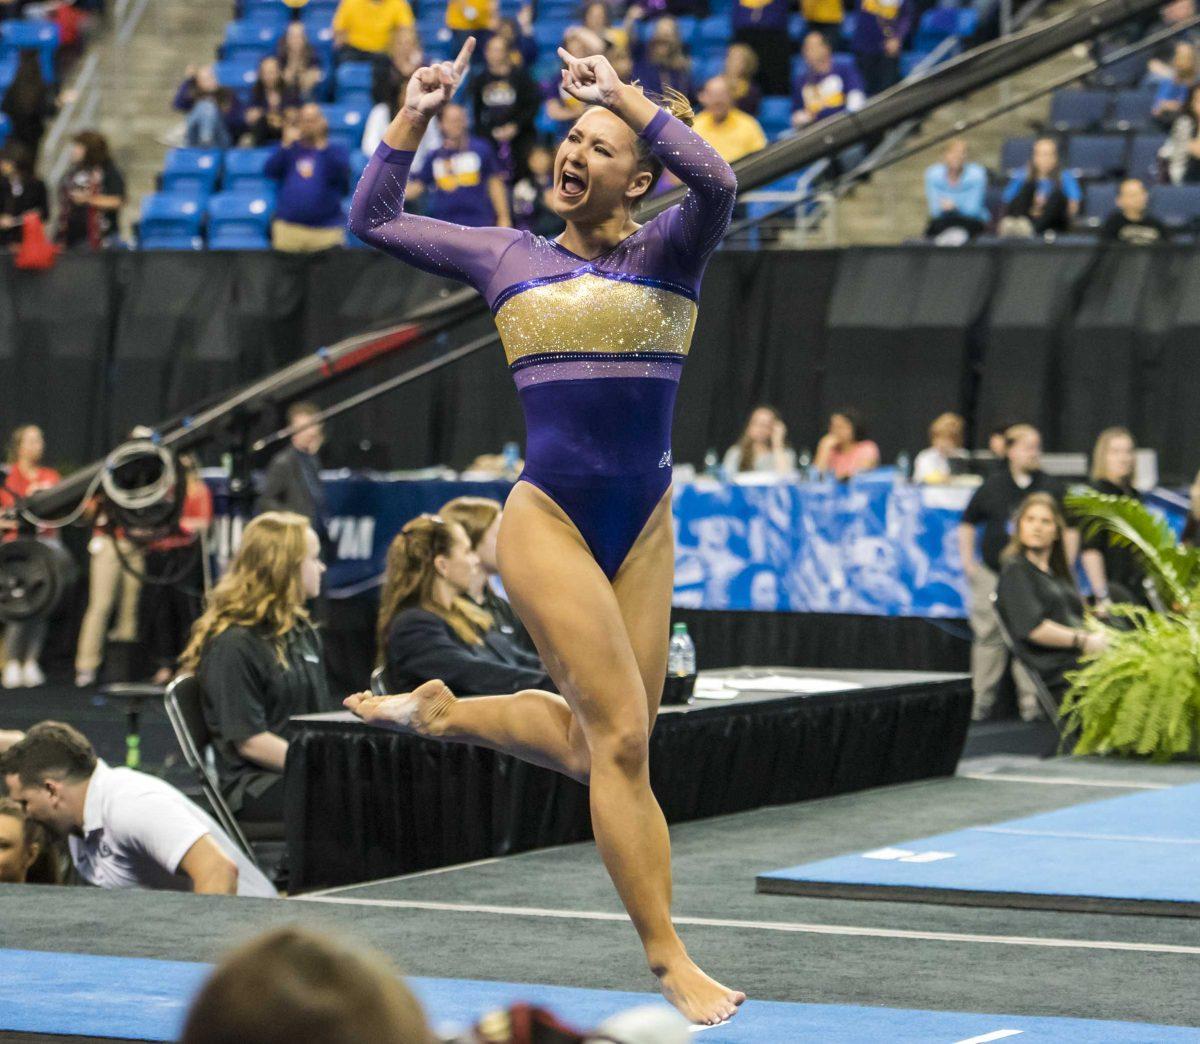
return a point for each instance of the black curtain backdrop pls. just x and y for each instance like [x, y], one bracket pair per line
[1072, 339]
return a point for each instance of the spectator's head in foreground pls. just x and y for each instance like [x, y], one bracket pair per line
[717, 98]
[1023, 449]
[25, 853]
[1114, 457]
[276, 570]
[817, 55]
[1038, 526]
[307, 436]
[1132, 199]
[294, 985]
[480, 520]
[946, 433]
[47, 774]
[432, 566]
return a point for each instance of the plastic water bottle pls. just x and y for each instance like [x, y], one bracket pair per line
[803, 463]
[512, 453]
[681, 666]
[902, 466]
[712, 465]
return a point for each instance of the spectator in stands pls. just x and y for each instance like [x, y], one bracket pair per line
[21, 193]
[28, 101]
[26, 856]
[259, 660]
[362, 29]
[762, 25]
[1131, 222]
[763, 446]
[560, 106]
[1170, 16]
[504, 101]
[956, 192]
[1172, 94]
[879, 31]
[845, 450]
[1181, 151]
[597, 16]
[824, 17]
[1113, 571]
[91, 195]
[429, 625]
[390, 73]
[1037, 597]
[293, 479]
[826, 87]
[662, 63]
[125, 829]
[24, 639]
[518, 34]
[169, 609]
[462, 181]
[1043, 197]
[726, 128]
[985, 523]
[532, 195]
[741, 73]
[294, 985]
[480, 519]
[270, 102]
[214, 114]
[314, 177]
[937, 462]
[299, 64]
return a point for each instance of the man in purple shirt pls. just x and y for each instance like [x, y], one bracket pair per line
[462, 181]
[827, 86]
[313, 177]
[879, 32]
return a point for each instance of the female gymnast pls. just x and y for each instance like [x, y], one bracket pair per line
[595, 326]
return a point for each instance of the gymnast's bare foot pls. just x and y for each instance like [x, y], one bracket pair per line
[700, 999]
[426, 710]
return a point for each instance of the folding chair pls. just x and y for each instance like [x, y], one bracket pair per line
[184, 711]
[1045, 698]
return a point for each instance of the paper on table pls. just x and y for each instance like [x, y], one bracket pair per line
[727, 687]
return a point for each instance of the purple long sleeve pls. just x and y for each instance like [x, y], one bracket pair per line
[377, 217]
[695, 226]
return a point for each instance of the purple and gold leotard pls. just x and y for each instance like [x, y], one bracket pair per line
[596, 346]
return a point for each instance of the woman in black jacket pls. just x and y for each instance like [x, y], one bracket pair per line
[431, 627]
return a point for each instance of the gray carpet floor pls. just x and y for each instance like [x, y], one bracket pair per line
[715, 864]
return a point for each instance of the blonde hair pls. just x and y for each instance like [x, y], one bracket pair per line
[1059, 565]
[408, 582]
[1100, 450]
[262, 589]
[950, 425]
[293, 984]
[748, 56]
[475, 514]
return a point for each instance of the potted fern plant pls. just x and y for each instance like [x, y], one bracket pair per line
[1141, 696]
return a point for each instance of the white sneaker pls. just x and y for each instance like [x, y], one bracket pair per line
[84, 678]
[34, 677]
[12, 677]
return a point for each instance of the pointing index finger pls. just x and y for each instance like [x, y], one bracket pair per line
[464, 56]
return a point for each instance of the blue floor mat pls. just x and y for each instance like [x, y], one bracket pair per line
[138, 999]
[1134, 854]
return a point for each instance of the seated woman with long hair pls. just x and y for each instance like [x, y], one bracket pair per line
[259, 660]
[763, 446]
[429, 625]
[1037, 597]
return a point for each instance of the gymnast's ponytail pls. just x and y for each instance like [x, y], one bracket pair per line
[678, 106]
[408, 582]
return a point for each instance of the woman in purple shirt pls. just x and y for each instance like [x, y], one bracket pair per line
[596, 325]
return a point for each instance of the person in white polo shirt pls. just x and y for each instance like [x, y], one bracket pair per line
[125, 829]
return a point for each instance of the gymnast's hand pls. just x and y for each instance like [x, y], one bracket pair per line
[592, 80]
[431, 87]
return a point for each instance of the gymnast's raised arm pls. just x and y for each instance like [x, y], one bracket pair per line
[377, 214]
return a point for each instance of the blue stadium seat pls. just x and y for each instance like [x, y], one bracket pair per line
[1014, 154]
[1096, 155]
[942, 22]
[1078, 110]
[19, 34]
[243, 165]
[169, 217]
[1131, 111]
[797, 26]
[5, 128]
[345, 125]
[238, 74]
[775, 115]
[713, 32]
[548, 33]
[358, 163]
[191, 171]
[1127, 72]
[251, 39]
[707, 67]
[8, 69]
[274, 11]
[322, 9]
[1176, 205]
[1142, 159]
[1099, 200]
[240, 221]
[354, 84]
[320, 35]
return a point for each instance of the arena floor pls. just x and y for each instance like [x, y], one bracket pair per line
[843, 970]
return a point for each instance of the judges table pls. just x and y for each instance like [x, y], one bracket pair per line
[365, 803]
